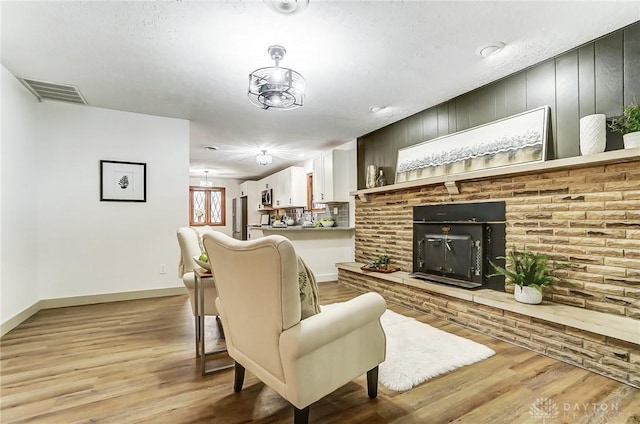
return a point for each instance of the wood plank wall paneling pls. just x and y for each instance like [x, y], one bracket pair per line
[608, 71]
[598, 77]
[541, 91]
[443, 119]
[631, 64]
[462, 113]
[430, 124]
[586, 80]
[567, 105]
[482, 107]
[414, 130]
[516, 94]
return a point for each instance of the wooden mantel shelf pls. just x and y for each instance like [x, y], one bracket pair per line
[618, 327]
[451, 181]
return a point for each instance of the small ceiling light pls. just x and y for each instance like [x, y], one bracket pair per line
[287, 7]
[206, 182]
[274, 87]
[264, 158]
[210, 147]
[376, 108]
[489, 49]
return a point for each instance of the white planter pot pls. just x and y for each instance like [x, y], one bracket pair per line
[528, 295]
[593, 134]
[631, 140]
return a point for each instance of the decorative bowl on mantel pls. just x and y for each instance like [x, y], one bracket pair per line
[327, 223]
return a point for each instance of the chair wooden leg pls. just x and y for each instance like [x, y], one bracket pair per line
[301, 416]
[239, 378]
[372, 383]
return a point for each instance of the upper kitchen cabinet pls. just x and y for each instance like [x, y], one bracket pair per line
[331, 177]
[289, 188]
[248, 188]
[266, 182]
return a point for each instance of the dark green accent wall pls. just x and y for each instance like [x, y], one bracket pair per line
[599, 77]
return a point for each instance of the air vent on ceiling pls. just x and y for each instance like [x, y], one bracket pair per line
[44, 90]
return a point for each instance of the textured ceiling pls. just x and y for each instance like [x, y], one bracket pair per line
[191, 60]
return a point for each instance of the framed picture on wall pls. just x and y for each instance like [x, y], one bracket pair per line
[509, 141]
[123, 181]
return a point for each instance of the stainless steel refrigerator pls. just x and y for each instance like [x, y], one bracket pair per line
[239, 212]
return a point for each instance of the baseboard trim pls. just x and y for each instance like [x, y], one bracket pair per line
[19, 318]
[63, 302]
[321, 278]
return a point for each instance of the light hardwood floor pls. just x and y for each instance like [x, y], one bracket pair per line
[133, 362]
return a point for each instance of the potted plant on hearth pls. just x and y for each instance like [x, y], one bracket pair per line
[529, 272]
[381, 264]
[628, 125]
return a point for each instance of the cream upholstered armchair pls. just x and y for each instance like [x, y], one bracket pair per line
[259, 304]
[190, 247]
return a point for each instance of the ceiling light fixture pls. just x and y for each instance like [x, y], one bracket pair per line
[274, 87]
[489, 49]
[287, 7]
[376, 108]
[206, 182]
[264, 158]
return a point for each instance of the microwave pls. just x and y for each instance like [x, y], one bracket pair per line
[266, 197]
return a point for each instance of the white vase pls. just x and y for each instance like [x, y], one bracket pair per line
[631, 140]
[593, 134]
[527, 294]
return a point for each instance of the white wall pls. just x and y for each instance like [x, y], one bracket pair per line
[86, 246]
[19, 194]
[232, 190]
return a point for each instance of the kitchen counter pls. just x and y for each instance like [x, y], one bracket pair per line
[320, 247]
[301, 228]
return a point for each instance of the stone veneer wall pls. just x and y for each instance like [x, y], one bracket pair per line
[589, 216]
[614, 358]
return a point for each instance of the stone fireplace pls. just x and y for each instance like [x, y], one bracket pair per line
[583, 210]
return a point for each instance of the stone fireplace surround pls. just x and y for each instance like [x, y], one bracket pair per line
[585, 210]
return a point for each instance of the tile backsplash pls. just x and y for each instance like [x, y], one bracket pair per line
[341, 214]
[338, 211]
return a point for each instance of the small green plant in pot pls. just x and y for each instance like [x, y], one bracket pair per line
[628, 125]
[528, 271]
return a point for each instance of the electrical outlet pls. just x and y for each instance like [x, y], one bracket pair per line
[163, 268]
[335, 210]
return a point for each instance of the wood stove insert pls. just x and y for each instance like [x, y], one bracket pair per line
[452, 244]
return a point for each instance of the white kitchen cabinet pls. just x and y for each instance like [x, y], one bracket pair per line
[266, 182]
[249, 189]
[254, 233]
[331, 177]
[290, 188]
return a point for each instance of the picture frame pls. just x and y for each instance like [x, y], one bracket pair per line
[517, 139]
[123, 181]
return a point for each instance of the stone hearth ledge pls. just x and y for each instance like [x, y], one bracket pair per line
[618, 327]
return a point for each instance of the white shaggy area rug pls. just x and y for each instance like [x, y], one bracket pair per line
[417, 352]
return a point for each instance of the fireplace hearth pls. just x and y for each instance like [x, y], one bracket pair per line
[453, 243]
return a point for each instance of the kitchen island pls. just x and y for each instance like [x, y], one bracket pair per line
[320, 247]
